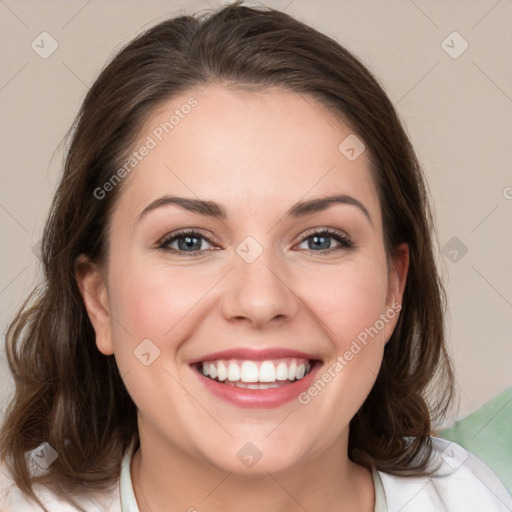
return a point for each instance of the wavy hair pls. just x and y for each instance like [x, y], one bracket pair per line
[69, 394]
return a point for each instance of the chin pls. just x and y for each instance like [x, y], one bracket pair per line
[250, 462]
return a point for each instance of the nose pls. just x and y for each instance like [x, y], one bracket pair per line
[259, 293]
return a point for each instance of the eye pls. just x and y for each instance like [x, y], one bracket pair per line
[321, 241]
[185, 242]
[191, 242]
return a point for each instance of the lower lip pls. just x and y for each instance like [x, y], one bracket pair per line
[259, 398]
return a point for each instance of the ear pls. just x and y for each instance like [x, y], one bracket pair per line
[398, 275]
[93, 287]
[396, 285]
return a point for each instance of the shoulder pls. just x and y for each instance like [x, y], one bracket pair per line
[13, 500]
[461, 482]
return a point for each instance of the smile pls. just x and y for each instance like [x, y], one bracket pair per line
[257, 384]
[250, 374]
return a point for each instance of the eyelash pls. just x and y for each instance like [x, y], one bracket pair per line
[342, 239]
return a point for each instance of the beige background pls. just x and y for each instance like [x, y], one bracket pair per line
[458, 112]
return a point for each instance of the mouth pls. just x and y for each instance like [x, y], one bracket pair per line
[256, 378]
[256, 374]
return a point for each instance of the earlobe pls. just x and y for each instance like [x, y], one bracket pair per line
[93, 288]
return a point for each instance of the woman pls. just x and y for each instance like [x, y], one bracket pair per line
[241, 305]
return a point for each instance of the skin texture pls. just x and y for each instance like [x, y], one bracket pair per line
[256, 154]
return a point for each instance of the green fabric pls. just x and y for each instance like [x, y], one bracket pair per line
[487, 433]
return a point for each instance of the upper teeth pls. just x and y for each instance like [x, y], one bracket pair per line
[256, 371]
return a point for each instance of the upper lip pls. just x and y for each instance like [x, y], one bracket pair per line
[254, 354]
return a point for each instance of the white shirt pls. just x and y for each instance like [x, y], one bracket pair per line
[461, 483]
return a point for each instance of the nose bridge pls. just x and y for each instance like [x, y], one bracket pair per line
[256, 291]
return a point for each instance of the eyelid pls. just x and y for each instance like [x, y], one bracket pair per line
[331, 231]
[344, 240]
[167, 238]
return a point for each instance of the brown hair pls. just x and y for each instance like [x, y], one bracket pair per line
[69, 394]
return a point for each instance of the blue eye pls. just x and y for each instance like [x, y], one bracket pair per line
[190, 243]
[322, 240]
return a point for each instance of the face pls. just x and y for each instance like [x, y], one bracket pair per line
[281, 283]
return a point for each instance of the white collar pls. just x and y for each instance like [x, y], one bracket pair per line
[128, 501]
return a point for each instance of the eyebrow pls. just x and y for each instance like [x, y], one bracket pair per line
[212, 209]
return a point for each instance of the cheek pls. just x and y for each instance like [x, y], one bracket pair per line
[152, 300]
[156, 303]
[348, 299]
[348, 302]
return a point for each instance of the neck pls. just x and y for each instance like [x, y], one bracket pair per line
[167, 478]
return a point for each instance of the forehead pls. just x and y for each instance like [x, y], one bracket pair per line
[245, 149]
